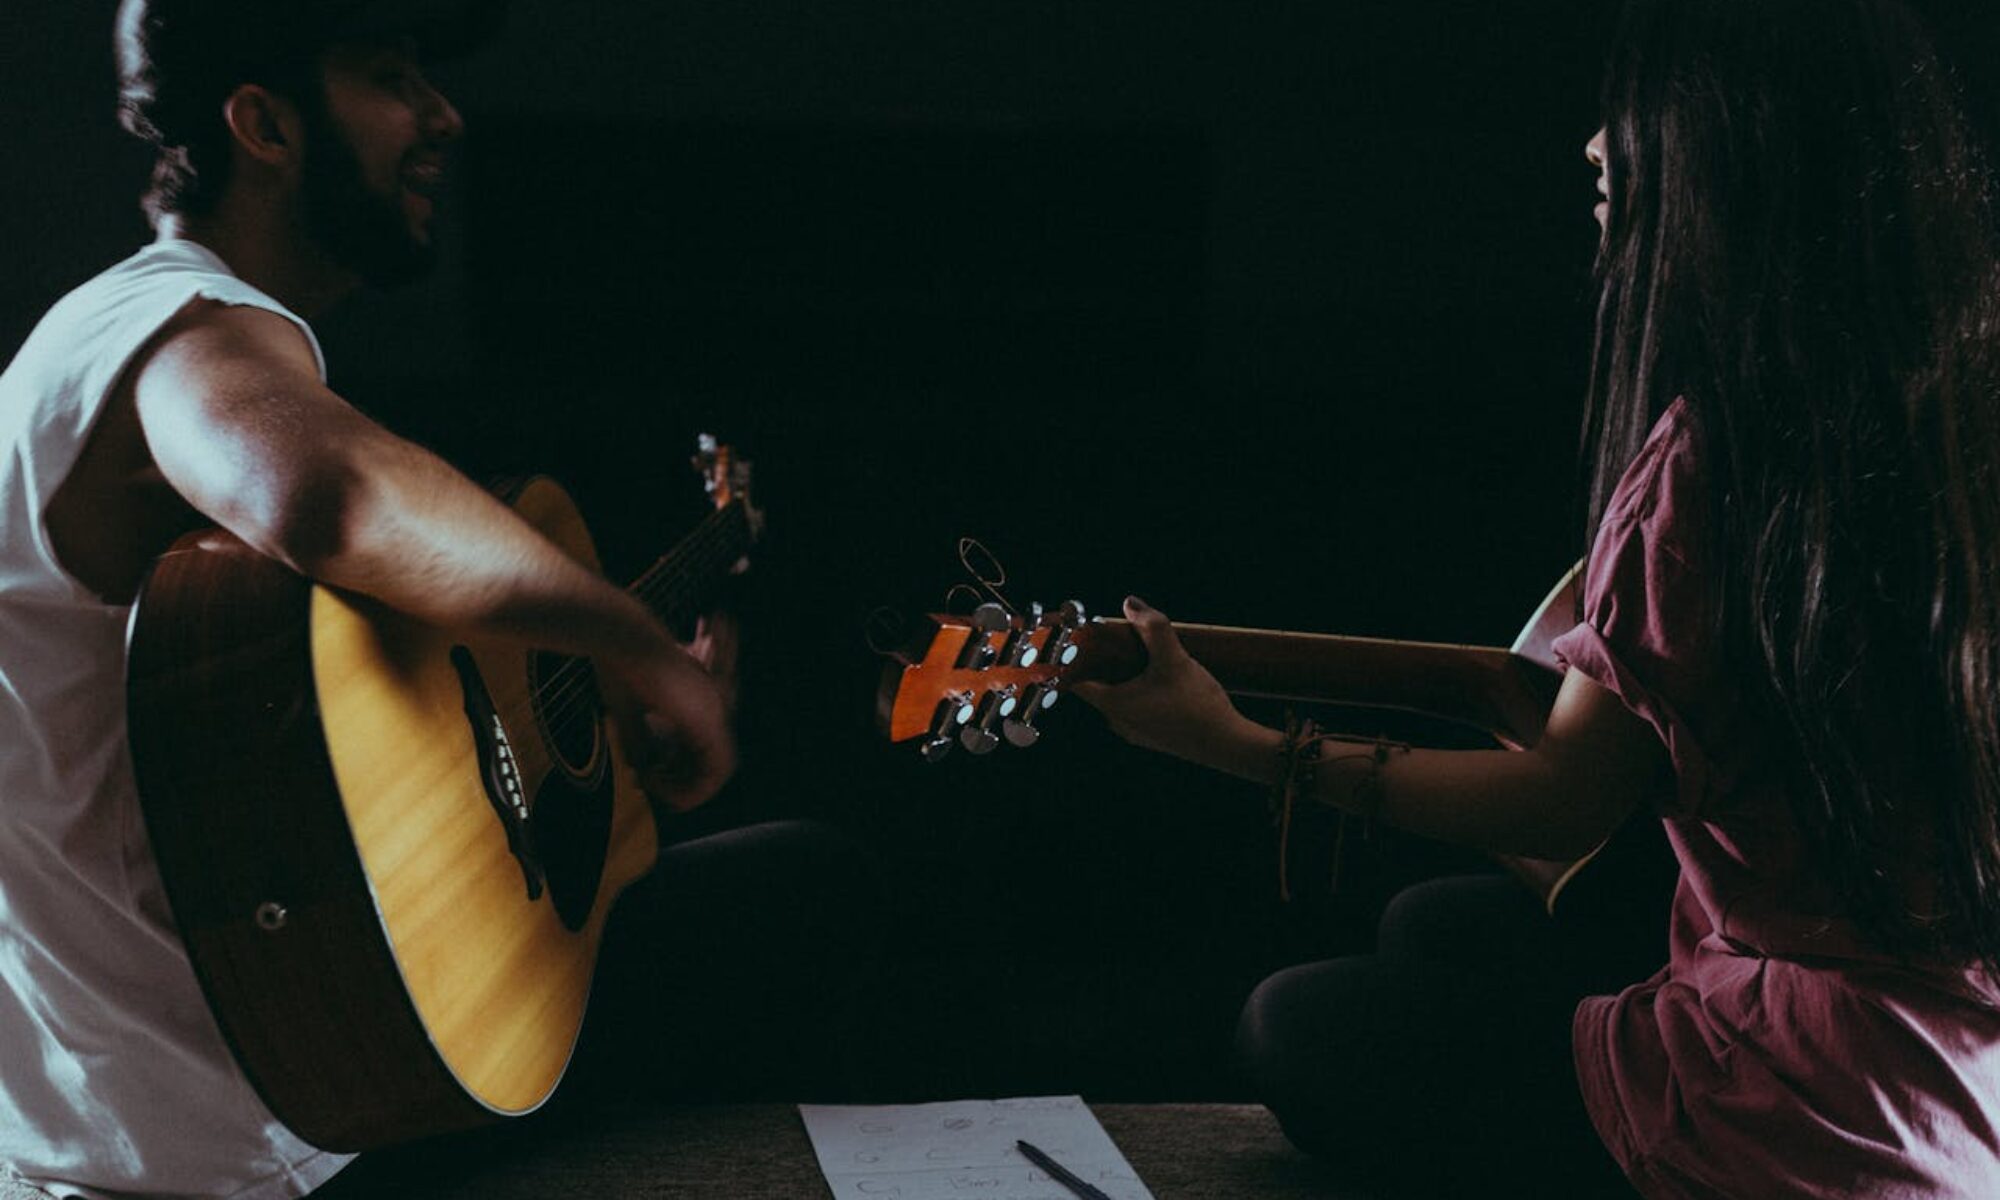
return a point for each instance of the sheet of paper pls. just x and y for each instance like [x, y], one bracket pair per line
[960, 1148]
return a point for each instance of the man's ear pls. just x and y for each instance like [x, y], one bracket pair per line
[263, 124]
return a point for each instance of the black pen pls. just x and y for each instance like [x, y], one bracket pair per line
[1059, 1173]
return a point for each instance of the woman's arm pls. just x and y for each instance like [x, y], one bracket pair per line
[1596, 761]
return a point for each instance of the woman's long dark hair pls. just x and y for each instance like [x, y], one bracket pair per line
[1801, 244]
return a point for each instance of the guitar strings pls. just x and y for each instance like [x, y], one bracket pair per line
[570, 692]
[718, 538]
[721, 537]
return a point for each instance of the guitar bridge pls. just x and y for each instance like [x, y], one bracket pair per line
[498, 770]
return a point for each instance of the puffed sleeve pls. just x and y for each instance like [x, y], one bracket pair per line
[1647, 631]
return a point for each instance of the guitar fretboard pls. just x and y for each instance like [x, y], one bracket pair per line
[679, 586]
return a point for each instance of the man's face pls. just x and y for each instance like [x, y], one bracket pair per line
[374, 162]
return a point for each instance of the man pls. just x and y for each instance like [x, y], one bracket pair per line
[299, 148]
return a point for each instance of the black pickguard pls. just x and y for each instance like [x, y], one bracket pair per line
[561, 835]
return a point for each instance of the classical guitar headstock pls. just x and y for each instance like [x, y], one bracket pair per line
[978, 680]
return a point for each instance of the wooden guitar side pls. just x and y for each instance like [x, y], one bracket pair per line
[243, 813]
[342, 883]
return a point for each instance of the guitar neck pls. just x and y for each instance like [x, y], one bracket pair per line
[1487, 687]
[684, 582]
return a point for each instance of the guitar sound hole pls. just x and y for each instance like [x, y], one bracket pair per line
[569, 711]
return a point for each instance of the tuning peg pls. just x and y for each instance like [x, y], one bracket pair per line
[979, 654]
[994, 707]
[1019, 727]
[952, 712]
[956, 710]
[1020, 650]
[1061, 650]
[706, 450]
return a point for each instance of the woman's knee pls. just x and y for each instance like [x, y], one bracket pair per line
[1333, 1033]
[1464, 921]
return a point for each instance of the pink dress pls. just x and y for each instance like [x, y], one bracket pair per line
[1776, 1054]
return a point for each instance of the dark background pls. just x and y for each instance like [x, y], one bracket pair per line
[1275, 314]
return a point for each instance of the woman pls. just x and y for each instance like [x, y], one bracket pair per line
[1789, 651]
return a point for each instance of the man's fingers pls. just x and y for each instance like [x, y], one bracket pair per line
[686, 759]
[659, 784]
[678, 794]
[683, 781]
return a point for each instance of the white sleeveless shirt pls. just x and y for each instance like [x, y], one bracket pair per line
[114, 1078]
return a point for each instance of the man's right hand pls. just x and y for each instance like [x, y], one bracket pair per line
[676, 735]
[240, 424]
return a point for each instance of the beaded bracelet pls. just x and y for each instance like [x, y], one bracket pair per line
[1292, 760]
[1301, 753]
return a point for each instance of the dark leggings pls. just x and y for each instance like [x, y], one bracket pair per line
[1441, 1063]
[733, 970]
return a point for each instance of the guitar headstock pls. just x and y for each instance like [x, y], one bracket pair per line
[726, 476]
[977, 680]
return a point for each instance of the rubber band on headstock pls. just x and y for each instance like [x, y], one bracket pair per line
[991, 582]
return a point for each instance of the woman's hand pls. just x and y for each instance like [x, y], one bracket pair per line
[1176, 707]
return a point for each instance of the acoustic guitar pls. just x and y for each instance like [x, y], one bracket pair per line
[979, 680]
[390, 850]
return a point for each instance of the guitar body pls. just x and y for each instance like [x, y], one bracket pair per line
[390, 852]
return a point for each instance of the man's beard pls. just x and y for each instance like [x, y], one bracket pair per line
[363, 230]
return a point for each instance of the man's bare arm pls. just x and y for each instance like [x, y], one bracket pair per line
[240, 425]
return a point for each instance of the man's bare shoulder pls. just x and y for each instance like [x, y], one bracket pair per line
[213, 342]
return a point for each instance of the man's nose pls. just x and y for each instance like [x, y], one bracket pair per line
[442, 120]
